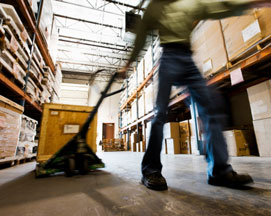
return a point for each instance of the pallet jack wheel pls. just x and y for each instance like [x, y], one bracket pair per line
[83, 165]
[70, 167]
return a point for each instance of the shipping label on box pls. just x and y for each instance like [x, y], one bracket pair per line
[207, 66]
[236, 77]
[251, 31]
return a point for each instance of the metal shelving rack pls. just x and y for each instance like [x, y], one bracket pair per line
[262, 58]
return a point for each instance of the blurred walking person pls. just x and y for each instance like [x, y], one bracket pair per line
[175, 20]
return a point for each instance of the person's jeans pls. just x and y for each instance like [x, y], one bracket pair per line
[178, 68]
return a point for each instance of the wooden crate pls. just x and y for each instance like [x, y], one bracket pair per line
[10, 118]
[59, 124]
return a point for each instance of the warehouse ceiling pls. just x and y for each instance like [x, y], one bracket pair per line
[91, 35]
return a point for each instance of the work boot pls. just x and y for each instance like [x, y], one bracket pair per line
[154, 181]
[230, 179]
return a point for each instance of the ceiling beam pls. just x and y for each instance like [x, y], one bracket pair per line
[126, 5]
[97, 55]
[79, 75]
[87, 21]
[94, 45]
[85, 50]
[93, 41]
[87, 7]
[88, 64]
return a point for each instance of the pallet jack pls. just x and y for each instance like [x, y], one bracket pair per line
[76, 156]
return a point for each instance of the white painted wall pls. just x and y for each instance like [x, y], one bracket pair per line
[108, 111]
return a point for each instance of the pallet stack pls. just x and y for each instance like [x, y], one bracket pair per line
[15, 46]
[10, 122]
[219, 44]
[27, 145]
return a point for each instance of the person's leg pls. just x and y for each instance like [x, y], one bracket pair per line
[151, 164]
[219, 171]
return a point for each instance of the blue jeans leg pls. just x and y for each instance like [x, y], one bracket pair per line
[151, 161]
[216, 147]
[177, 67]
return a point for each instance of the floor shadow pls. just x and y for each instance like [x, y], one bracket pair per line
[27, 189]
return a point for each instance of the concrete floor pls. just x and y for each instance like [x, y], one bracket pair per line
[116, 190]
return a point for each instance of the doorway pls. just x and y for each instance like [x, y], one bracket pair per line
[108, 130]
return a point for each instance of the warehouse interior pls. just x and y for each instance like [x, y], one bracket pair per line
[57, 58]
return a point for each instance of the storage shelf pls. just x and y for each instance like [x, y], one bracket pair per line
[25, 11]
[144, 118]
[139, 88]
[256, 58]
[19, 92]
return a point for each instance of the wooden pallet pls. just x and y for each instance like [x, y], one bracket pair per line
[17, 25]
[257, 47]
[20, 54]
[16, 160]
[7, 62]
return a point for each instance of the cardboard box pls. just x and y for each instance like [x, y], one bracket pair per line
[141, 71]
[134, 137]
[260, 100]
[208, 45]
[263, 136]
[142, 146]
[242, 32]
[148, 61]
[149, 99]
[176, 90]
[238, 142]
[264, 16]
[141, 106]
[172, 146]
[185, 137]
[134, 110]
[171, 130]
[10, 123]
[134, 148]
[185, 130]
[138, 147]
[185, 146]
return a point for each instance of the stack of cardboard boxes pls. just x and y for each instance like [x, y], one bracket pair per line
[177, 138]
[239, 142]
[27, 145]
[10, 122]
[260, 103]
[219, 43]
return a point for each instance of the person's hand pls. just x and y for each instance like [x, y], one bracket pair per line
[122, 72]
